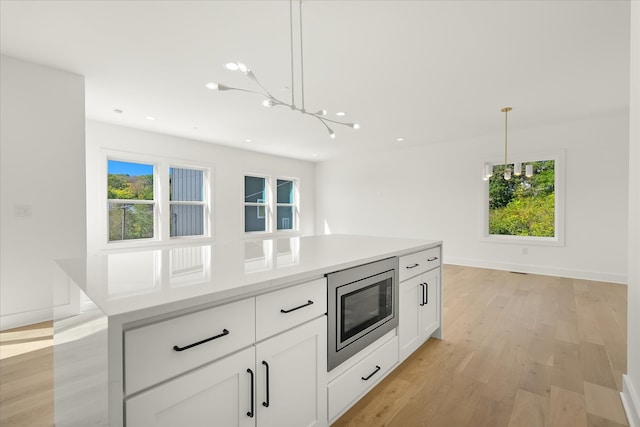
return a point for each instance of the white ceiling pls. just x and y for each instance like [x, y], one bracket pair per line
[427, 71]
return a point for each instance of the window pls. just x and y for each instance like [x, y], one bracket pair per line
[255, 204]
[186, 202]
[285, 205]
[152, 201]
[269, 207]
[130, 193]
[526, 209]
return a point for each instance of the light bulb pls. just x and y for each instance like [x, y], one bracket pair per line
[528, 171]
[355, 125]
[211, 86]
[242, 67]
[507, 174]
[332, 134]
[267, 103]
[233, 66]
[321, 113]
[488, 170]
[517, 169]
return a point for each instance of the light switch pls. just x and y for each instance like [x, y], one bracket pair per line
[22, 211]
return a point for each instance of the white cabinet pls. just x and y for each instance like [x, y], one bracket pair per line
[350, 386]
[217, 394]
[292, 377]
[277, 380]
[420, 306]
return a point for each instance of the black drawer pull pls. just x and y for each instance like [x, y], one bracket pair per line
[266, 366]
[422, 285]
[372, 373]
[224, 332]
[426, 293]
[309, 302]
[250, 413]
[413, 266]
[432, 259]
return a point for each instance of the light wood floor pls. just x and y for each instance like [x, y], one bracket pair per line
[519, 350]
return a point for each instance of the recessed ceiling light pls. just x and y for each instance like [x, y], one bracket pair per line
[399, 139]
[248, 140]
[150, 118]
[341, 113]
[117, 111]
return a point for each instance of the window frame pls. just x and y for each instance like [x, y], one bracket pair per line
[162, 208]
[205, 203]
[266, 204]
[558, 156]
[271, 205]
[294, 205]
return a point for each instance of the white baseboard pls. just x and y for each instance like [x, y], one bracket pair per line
[539, 269]
[17, 320]
[630, 402]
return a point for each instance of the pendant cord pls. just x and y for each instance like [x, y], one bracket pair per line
[293, 102]
[301, 60]
[505, 137]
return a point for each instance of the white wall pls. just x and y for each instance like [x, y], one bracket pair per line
[435, 192]
[229, 166]
[631, 385]
[42, 170]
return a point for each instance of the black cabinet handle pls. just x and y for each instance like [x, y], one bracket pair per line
[426, 293]
[224, 332]
[309, 302]
[413, 266]
[432, 259]
[372, 373]
[422, 301]
[266, 365]
[250, 413]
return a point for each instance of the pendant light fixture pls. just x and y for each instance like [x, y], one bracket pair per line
[517, 166]
[272, 101]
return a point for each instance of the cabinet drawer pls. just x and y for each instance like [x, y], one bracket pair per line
[286, 308]
[165, 349]
[419, 262]
[348, 387]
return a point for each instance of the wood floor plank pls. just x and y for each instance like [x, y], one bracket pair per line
[567, 408]
[604, 402]
[529, 410]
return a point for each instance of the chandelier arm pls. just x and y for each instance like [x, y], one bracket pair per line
[255, 79]
[330, 120]
[321, 120]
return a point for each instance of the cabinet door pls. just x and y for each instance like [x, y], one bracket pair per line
[217, 394]
[409, 321]
[292, 377]
[430, 311]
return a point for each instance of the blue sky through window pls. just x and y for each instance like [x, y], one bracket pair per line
[132, 169]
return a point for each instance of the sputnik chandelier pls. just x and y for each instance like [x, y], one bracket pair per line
[272, 101]
[517, 166]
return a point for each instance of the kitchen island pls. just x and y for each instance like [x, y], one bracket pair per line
[144, 319]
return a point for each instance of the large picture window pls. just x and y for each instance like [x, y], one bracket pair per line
[526, 208]
[131, 200]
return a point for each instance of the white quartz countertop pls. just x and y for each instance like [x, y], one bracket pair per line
[138, 284]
